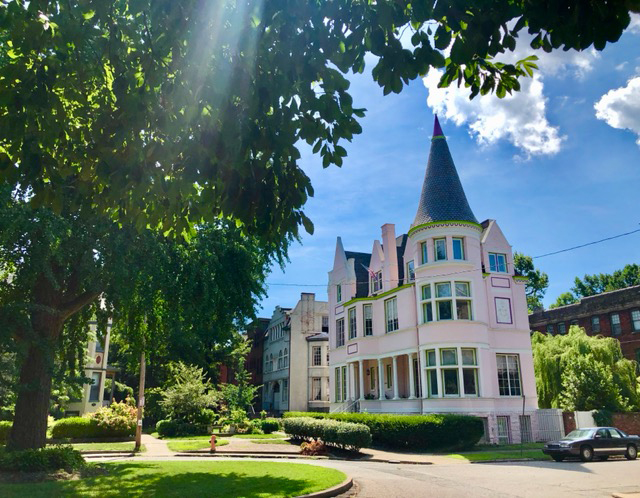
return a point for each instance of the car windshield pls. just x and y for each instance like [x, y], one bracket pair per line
[579, 434]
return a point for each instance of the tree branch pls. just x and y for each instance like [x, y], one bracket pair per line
[73, 306]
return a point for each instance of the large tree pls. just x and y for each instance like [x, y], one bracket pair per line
[591, 285]
[166, 113]
[537, 281]
[579, 372]
[151, 286]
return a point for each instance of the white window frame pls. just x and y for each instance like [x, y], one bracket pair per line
[437, 242]
[368, 321]
[595, 320]
[514, 390]
[616, 324]
[411, 271]
[424, 253]
[426, 303]
[339, 293]
[340, 332]
[498, 266]
[316, 389]
[635, 320]
[316, 356]
[391, 314]
[454, 240]
[352, 323]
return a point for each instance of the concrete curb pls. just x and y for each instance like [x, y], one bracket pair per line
[239, 452]
[292, 456]
[334, 491]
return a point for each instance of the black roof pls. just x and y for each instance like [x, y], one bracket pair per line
[362, 259]
[443, 197]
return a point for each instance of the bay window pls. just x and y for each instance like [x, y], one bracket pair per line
[440, 249]
[509, 375]
[427, 307]
[457, 370]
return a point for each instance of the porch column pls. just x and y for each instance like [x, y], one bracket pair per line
[380, 379]
[412, 386]
[423, 374]
[361, 380]
[351, 383]
[395, 378]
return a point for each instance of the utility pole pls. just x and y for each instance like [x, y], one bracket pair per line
[140, 401]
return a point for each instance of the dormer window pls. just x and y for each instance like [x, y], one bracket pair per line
[458, 248]
[440, 249]
[376, 282]
[411, 274]
[498, 262]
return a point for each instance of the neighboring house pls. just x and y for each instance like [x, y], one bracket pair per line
[611, 314]
[435, 320]
[256, 333]
[296, 367]
[96, 368]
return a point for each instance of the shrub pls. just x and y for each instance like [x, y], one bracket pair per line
[269, 425]
[43, 459]
[153, 409]
[5, 427]
[75, 427]
[603, 418]
[118, 419]
[341, 434]
[426, 432]
[314, 448]
[177, 428]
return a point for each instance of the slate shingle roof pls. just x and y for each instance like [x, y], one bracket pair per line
[443, 197]
[362, 259]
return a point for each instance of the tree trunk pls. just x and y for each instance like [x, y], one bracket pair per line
[32, 406]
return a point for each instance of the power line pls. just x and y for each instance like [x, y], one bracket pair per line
[478, 269]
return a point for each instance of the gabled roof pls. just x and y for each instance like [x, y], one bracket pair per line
[361, 259]
[442, 197]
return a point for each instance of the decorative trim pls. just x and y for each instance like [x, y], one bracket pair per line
[510, 322]
[352, 348]
[462, 223]
[435, 137]
[519, 278]
[379, 296]
[497, 280]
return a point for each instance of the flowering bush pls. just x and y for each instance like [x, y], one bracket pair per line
[118, 419]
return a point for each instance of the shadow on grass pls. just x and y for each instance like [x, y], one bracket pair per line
[168, 479]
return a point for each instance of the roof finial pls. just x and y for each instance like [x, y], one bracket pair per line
[437, 130]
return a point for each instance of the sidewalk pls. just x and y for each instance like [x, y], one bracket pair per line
[155, 447]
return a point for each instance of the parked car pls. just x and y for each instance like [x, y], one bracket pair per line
[586, 443]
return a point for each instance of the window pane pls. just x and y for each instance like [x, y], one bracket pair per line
[468, 356]
[410, 271]
[426, 292]
[443, 289]
[448, 357]
[635, 318]
[463, 289]
[431, 358]
[368, 319]
[432, 382]
[427, 312]
[444, 310]
[562, 328]
[94, 391]
[352, 323]
[463, 308]
[423, 248]
[550, 329]
[441, 249]
[450, 381]
[458, 250]
[470, 381]
[492, 262]
[502, 263]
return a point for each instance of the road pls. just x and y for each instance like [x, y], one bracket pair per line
[497, 480]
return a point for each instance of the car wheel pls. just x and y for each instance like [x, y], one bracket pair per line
[631, 453]
[558, 458]
[604, 458]
[586, 453]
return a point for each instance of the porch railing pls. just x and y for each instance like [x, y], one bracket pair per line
[352, 406]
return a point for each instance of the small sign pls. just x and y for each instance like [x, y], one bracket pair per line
[141, 404]
[352, 348]
[140, 422]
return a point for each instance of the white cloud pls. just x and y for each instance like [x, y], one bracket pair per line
[519, 118]
[620, 107]
[634, 25]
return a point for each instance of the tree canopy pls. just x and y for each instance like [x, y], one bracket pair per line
[537, 281]
[564, 299]
[579, 372]
[168, 114]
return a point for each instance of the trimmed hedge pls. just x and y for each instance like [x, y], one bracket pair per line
[5, 427]
[43, 459]
[85, 428]
[341, 434]
[269, 425]
[173, 428]
[426, 432]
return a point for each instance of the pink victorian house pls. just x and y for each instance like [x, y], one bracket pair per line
[434, 320]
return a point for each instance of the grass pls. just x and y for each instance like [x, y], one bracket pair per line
[160, 479]
[509, 447]
[260, 436]
[483, 456]
[127, 446]
[194, 445]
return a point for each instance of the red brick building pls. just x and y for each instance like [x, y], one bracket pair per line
[611, 314]
[256, 334]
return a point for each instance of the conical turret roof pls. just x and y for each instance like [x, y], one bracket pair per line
[443, 197]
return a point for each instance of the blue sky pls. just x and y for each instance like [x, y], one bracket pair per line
[557, 165]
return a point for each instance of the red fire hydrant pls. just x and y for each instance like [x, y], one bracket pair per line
[213, 443]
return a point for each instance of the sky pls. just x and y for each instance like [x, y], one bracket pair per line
[556, 164]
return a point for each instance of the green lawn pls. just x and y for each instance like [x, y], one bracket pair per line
[260, 436]
[126, 446]
[159, 479]
[194, 444]
[183, 438]
[509, 447]
[482, 456]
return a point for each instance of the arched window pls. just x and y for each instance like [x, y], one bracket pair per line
[286, 357]
[271, 363]
[280, 360]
